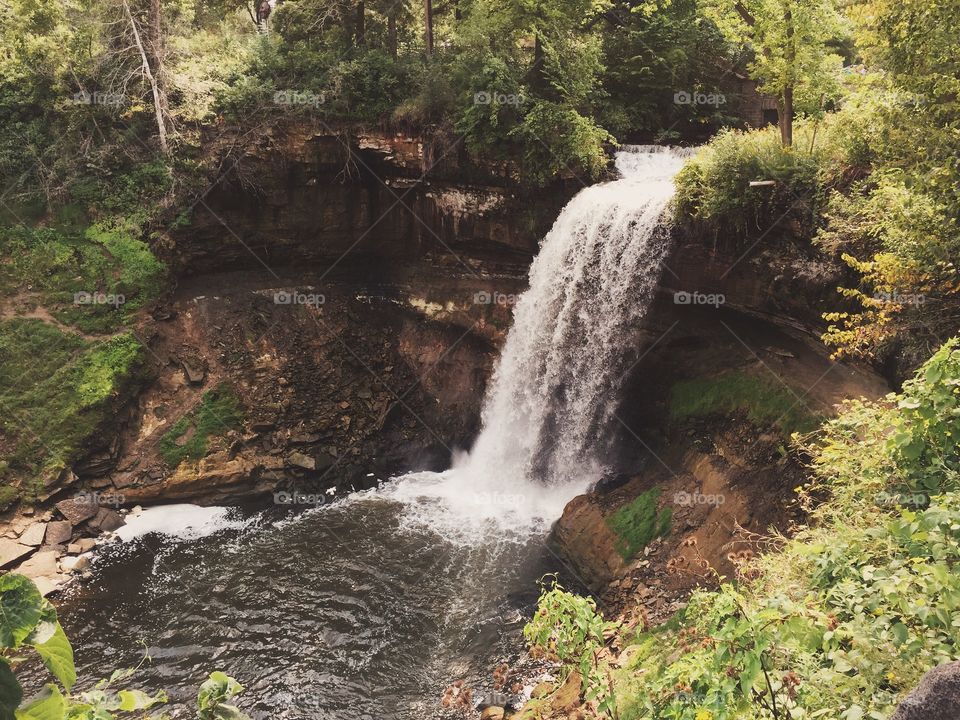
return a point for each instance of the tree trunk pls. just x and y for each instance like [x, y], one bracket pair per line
[790, 56]
[156, 51]
[428, 22]
[360, 28]
[159, 101]
[392, 32]
[785, 117]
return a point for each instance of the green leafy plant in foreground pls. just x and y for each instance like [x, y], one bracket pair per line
[28, 620]
[568, 628]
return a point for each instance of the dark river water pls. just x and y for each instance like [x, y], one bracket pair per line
[357, 609]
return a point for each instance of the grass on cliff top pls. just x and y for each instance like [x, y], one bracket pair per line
[764, 400]
[50, 265]
[55, 391]
[218, 412]
[637, 523]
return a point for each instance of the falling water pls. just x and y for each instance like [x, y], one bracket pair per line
[555, 389]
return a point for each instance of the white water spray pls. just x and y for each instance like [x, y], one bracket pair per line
[556, 387]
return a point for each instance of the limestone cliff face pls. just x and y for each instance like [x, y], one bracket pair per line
[367, 200]
[411, 247]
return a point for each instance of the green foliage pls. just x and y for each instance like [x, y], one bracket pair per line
[557, 140]
[218, 412]
[850, 613]
[764, 400]
[714, 186]
[568, 628]
[637, 523]
[28, 620]
[50, 266]
[57, 392]
[792, 41]
[215, 694]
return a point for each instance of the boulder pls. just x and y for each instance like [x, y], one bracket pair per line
[33, 535]
[59, 533]
[194, 372]
[11, 551]
[78, 509]
[47, 585]
[73, 549]
[937, 697]
[298, 459]
[107, 520]
[75, 564]
[41, 564]
[86, 544]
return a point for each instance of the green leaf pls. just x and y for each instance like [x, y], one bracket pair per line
[900, 633]
[11, 694]
[749, 674]
[138, 700]
[48, 705]
[57, 655]
[20, 609]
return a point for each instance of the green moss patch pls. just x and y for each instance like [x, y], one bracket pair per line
[764, 400]
[56, 390]
[638, 523]
[219, 411]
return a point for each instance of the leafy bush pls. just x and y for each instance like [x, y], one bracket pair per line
[556, 140]
[568, 628]
[849, 614]
[714, 186]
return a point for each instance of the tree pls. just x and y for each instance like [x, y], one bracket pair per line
[428, 25]
[791, 41]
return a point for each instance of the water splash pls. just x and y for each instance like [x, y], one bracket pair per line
[551, 401]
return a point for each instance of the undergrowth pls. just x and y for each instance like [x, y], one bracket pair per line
[56, 391]
[846, 617]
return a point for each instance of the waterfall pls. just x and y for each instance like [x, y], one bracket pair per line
[550, 404]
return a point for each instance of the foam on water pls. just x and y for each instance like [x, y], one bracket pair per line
[181, 522]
